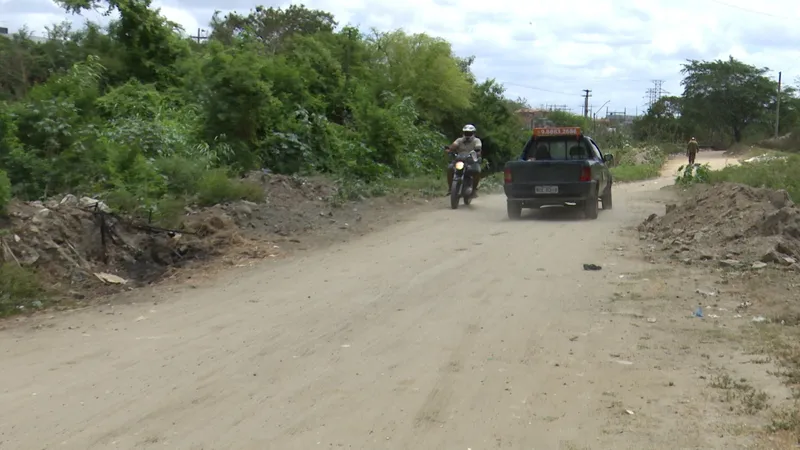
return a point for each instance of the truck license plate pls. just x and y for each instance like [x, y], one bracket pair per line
[546, 189]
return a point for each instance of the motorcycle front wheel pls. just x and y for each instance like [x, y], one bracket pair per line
[455, 194]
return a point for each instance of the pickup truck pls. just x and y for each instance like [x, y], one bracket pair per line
[558, 166]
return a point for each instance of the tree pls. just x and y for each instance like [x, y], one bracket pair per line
[272, 26]
[662, 122]
[140, 115]
[425, 69]
[727, 95]
[151, 45]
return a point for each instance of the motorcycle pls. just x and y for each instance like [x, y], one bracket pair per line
[462, 178]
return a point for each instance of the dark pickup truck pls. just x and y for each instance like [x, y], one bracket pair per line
[559, 166]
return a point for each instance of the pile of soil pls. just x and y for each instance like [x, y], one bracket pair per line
[730, 224]
[80, 249]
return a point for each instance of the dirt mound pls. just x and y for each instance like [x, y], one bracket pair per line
[729, 223]
[79, 248]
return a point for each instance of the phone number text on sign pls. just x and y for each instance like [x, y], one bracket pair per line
[569, 131]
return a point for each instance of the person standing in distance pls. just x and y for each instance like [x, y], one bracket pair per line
[691, 150]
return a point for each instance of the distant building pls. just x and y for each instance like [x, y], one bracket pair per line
[534, 117]
[620, 119]
[39, 39]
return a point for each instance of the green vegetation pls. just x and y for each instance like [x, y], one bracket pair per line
[18, 287]
[638, 163]
[724, 102]
[149, 120]
[778, 173]
[693, 173]
[772, 174]
[635, 172]
[5, 191]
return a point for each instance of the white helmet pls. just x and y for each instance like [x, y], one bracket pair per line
[468, 131]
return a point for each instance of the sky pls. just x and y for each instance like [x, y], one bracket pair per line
[547, 53]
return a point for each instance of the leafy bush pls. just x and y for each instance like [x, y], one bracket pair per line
[216, 187]
[693, 173]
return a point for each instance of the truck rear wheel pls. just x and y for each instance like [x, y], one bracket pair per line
[514, 210]
[590, 208]
[606, 198]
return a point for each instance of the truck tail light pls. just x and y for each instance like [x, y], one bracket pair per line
[586, 174]
[507, 175]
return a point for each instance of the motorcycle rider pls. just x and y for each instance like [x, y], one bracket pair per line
[462, 147]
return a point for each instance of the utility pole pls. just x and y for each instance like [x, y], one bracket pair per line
[586, 102]
[199, 37]
[778, 108]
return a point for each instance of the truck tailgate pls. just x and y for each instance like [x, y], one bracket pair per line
[554, 179]
[538, 172]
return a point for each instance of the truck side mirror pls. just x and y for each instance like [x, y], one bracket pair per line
[608, 157]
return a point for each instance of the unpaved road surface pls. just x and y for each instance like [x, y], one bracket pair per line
[454, 330]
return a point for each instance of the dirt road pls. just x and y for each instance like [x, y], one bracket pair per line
[454, 330]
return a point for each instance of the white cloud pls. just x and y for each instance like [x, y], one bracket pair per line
[549, 52]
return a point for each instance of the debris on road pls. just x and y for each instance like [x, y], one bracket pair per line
[110, 278]
[730, 263]
[706, 293]
[591, 267]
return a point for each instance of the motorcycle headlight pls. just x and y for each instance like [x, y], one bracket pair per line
[459, 165]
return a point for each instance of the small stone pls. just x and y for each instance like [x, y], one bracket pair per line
[729, 263]
[69, 200]
[41, 216]
[243, 210]
[759, 265]
[772, 256]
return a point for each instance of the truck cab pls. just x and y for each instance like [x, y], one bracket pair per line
[558, 166]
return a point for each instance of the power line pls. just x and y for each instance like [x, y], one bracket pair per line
[753, 11]
[538, 89]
